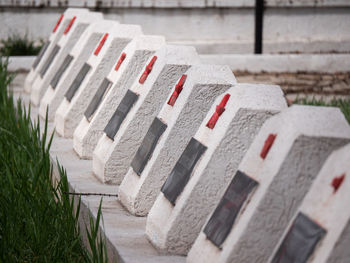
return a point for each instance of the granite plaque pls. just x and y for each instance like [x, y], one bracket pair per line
[40, 55]
[182, 170]
[77, 82]
[119, 115]
[147, 146]
[225, 214]
[97, 99]
[300, 241]
[60, 71]
[49, 60]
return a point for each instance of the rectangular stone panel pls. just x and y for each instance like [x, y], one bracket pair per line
[119, 115]
[182, 171]
[60, 71]
[97, 99]
[225, 214]
[41, 54]
[49, 60]
[77, 81]
[300, 241]
[147, 146]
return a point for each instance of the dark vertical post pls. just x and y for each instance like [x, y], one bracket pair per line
[259, 14]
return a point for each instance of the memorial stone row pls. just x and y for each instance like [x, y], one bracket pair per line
[224, 171]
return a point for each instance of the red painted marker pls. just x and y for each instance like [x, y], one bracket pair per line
[58, 23]
[70, 25]
[102, 42]
[218, 111]
[120, 61]
[148, 70]
[267, 145]
[337, 181]
[177, 91]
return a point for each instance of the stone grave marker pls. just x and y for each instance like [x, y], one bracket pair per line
[100, 63]
[208, 163]
[133, 116]
[73, 34]
[101, 108]
[57, 33]
[320, 229]
[182, 114]
[77, 68]
[271, 181]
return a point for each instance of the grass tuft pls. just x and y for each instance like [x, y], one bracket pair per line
[38, 220]
[17, 45]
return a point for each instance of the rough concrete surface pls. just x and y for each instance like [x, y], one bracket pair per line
[66, 44]
[175, 228]
[112, 158]
[39, 85]
[54, 38]
[203, 84]
[69, 114]
[325, 206]
[89, 40]
[137, 53]
[306, 135]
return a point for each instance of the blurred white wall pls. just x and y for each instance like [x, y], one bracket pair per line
[213, 26]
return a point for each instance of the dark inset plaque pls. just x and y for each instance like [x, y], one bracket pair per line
[77, 82]
[119, 115]
[49, 60]
[300, 242]
[41, 54]
[225, 214]
[147, 146]
[182, 170]
[61, 70]
[96, 100]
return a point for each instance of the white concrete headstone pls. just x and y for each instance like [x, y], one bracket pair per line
[77, 98]
[320, 229]
[136, 111]
[73, 33]
[122, 76]
[183, 112]
[80, 53]
[55, 36]
[208, 163]
[272, 179]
